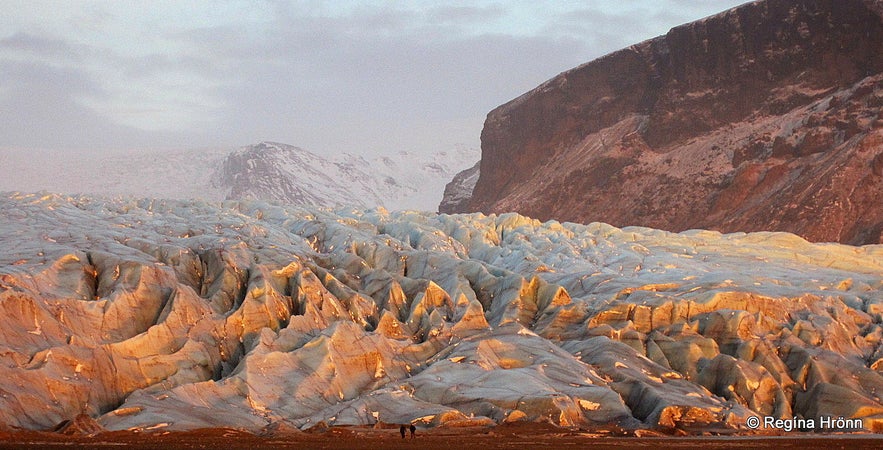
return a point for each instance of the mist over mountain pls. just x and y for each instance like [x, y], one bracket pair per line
[265, 288]
[266, 171]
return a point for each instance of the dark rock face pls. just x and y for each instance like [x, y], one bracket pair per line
[764, 117]
[459, 190]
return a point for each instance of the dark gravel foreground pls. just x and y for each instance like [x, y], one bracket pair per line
[527, 436]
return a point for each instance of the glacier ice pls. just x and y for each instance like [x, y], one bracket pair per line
[175, 314]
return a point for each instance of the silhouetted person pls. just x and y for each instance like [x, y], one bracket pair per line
[413, 429]
[402, 430]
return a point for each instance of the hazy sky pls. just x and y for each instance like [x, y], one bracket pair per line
[327, 76]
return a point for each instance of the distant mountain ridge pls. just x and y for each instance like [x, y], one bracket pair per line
[266, 171]
[763, 117]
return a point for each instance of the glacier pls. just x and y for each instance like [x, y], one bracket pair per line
[150, 314]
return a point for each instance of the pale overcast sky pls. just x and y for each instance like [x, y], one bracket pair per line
[327, 76]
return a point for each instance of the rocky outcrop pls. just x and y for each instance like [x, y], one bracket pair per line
[459, 191]
[173, 315]
[764, 117]
[81, 425]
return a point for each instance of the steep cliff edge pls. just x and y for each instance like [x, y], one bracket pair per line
[764, 117]
[459, 190]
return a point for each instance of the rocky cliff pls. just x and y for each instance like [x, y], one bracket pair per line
[158, 315]
[459, 191]
[764, 117]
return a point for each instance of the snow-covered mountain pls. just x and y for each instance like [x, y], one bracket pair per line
[288, 174]
[266, 171]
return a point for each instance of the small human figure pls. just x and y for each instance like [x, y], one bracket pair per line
[413, 430]
[402, 430]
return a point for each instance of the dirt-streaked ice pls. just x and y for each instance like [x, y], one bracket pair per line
[154, 314]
